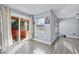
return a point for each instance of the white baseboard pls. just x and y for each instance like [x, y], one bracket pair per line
[42, 41]
[45, 41]
[73, 37]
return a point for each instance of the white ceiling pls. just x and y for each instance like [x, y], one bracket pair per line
[61, 10]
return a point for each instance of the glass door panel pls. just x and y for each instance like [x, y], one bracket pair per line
[15, 29]
[24, 29]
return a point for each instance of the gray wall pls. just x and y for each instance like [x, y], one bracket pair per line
[54, 26]
[46, 35]
[50, 34]
[69, 27]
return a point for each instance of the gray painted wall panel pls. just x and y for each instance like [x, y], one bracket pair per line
[69, 27]
[50, 34]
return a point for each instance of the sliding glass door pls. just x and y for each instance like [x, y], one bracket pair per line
[20, 24]
[24, 29]
[15, 29]
[19, 29]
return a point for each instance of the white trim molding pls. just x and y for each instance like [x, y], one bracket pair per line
[42, 41]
